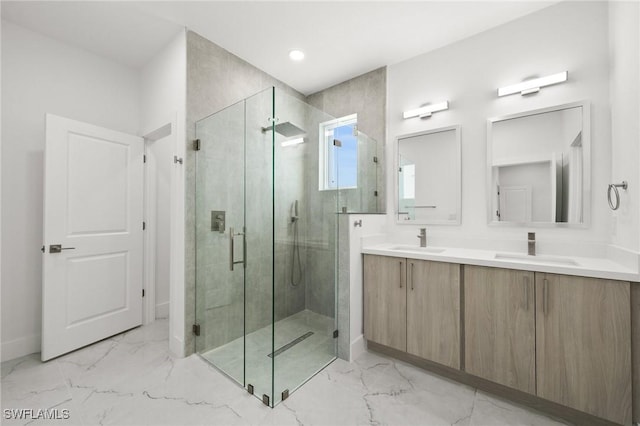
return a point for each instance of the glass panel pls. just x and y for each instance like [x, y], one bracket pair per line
[259, 271]
[220, 207]
[305, 227]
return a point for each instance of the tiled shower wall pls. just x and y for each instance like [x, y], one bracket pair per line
[215, 80]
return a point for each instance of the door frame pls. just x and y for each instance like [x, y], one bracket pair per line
[150, 215]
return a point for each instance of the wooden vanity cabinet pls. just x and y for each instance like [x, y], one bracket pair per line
[583, 349]
[500, 326]
[385, 301]
[413, 306]
[433, 311]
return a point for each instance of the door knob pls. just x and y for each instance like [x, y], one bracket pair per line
[57, 248]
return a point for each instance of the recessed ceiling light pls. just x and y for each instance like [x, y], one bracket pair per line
[296, 55]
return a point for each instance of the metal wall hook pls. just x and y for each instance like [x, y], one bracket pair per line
[615, 186]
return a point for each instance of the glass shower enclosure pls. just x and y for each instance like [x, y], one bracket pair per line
[267, 243]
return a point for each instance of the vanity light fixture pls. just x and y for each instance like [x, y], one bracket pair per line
[296, 55]
[426, 110]
[291, 142]
[533, 86]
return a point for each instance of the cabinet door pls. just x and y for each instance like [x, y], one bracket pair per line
[385, 301]
[500, 326]
[433, 311]
[584, 344]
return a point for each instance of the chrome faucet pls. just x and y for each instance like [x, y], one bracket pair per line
[423, 237]
[531, 240]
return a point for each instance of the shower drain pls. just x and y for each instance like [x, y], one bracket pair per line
[290, 344]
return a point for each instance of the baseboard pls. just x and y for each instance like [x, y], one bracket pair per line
[20, 347]
[358, 347]
[162, 310]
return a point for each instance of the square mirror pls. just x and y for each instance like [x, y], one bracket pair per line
[428, 177]
[539, 167]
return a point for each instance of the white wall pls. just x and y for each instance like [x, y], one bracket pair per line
[163, 101]
[569, 36]
[41, 75]
[624, 42]
[372, 230]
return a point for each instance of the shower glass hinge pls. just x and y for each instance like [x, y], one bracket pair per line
[265, 399]
[196, 144]
[285, 394]
[250, 388]
[335, 334]
[375, 159]
[196, 329]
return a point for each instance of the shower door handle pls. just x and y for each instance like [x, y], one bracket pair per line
[231, 251]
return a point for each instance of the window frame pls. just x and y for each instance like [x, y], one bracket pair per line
[325, 157]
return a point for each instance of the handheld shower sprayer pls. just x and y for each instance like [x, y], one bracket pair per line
[296, 262]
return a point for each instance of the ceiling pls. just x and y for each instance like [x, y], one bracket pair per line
[341, 39]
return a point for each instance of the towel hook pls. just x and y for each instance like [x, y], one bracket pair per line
[615, 186]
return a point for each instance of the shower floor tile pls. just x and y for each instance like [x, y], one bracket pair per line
[293, 366]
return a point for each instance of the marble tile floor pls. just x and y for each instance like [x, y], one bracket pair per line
[290, 368]
[131, 379]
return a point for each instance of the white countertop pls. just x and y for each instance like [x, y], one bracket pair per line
[582, 266]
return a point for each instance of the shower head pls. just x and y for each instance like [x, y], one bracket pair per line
[286, 129]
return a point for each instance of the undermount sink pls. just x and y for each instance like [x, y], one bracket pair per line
[418, 249]
[536, 259]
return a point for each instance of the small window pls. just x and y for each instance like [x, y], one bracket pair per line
[339, 153]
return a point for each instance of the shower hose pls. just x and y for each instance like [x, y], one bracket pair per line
[295, 256]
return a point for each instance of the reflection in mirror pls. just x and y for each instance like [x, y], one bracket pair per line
[538, 166]
[428, 179]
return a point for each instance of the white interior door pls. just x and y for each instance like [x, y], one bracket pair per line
[93, 207]
[515, 203]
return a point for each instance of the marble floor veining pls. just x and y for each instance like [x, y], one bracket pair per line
[131, 379]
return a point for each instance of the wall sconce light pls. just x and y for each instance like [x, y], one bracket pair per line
[426, 111]
[533, 86]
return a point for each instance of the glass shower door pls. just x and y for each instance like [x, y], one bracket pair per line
[220, 211]
[258, 200]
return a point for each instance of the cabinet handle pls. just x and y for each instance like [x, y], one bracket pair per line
[411, 275]
[526, 293]
[400, 269]
[545, 296]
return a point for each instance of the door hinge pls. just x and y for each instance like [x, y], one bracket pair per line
[144, 158]
[42, 249]
[196, 329]
[143, 292]
[375, 159]
[375, 193]
[335, 334]
[144, 225]
[196, 144]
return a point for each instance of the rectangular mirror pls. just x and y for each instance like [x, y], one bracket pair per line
[539, 167]
[428, 177]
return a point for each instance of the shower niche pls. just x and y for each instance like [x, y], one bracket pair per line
[267, 270]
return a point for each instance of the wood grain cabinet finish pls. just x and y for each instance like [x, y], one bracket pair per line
[583, 346]
[433, 311]
[385, 301]
[500, 326]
